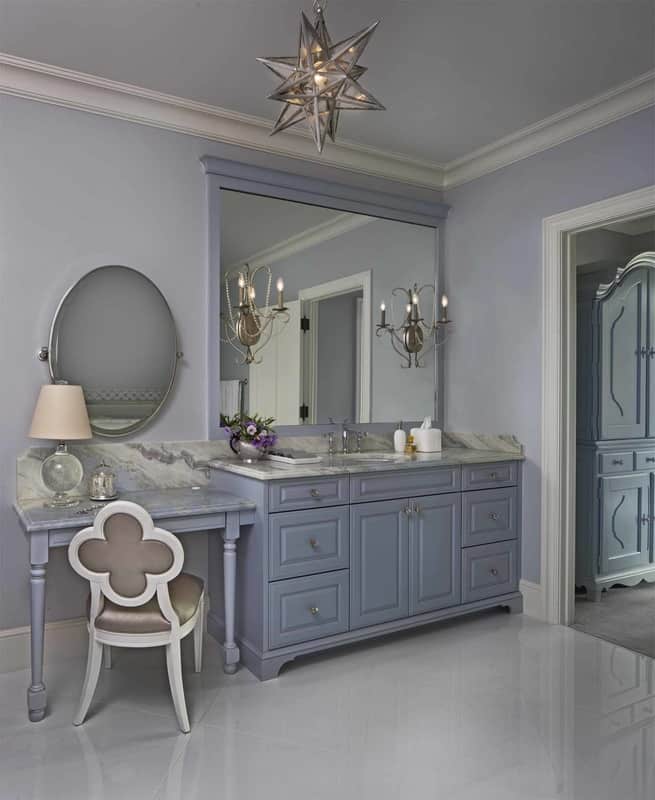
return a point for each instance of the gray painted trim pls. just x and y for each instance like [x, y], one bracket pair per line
[225, 174]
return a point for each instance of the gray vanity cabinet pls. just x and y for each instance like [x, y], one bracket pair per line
[625, 522]
[379, 574]
[341, 558]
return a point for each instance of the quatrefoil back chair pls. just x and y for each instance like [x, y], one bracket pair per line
[139, 595]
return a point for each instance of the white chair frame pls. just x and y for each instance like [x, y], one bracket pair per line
[101, 641]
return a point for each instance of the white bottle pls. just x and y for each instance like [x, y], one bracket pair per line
[399, 439]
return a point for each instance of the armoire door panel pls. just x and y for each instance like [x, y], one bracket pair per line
[624, 359]
[625, 522]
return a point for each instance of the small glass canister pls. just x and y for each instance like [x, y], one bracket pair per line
[102, 484]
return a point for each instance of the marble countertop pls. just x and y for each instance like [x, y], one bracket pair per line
[160, 503]
[357, 463]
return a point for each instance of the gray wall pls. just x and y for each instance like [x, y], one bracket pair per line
[493, 271]
[78, 191]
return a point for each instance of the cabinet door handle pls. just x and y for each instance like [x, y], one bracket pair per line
[493, 571]
[645, 519]
[650, 459]
[417, 509]
[619, 462]
[313, 611]
[408, 510]
[313, 544]
[493, 475]
[651, 352]
[315, 493]
[494, 516]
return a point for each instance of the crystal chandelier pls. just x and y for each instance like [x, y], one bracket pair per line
[415, 337]
[322, 80]
[247, 327]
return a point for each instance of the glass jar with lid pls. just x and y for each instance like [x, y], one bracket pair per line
[102, 484]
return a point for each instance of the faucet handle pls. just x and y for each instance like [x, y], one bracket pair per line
[360, 435]
[331, 442]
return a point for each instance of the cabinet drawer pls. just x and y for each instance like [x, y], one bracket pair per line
[487, 476]
[645, 459]
[308, 493]
[404, 483]
[489, 570]
[306, 542]
[617, 462]
[301, 609]
[489, 515]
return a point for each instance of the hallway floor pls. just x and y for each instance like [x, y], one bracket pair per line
[624, 616]
[493, 707]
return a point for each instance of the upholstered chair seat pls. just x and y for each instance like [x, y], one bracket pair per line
[139, 596]
[185, 592]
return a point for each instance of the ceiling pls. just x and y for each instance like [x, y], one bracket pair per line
[455, 75]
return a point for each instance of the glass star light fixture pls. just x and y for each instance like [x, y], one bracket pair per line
[322, 80]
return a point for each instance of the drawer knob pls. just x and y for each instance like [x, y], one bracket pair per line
[618, 462]
[493, 475]
[494, 516]
[313, 544]
[315, 493]
[313, 611]
[493, 571]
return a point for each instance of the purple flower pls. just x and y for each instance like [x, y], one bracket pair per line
[251, 429]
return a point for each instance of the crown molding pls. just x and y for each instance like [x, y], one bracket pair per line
[315, 235]
[83, 92]
[77, 90]
[630, 97]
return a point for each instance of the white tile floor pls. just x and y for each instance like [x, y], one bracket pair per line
[496, 707]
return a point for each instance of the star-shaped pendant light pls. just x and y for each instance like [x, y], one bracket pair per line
[322, 80]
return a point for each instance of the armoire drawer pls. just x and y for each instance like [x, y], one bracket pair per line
[404, 483]
[645, 459]
[611, 463]
[302, 609]
[308, 542]
[308, 493]
[489, 515]
[489, 476]
[489, 570]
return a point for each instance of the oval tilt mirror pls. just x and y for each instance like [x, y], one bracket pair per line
[114, 335]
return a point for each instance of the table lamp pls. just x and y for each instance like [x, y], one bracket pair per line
[61, 415]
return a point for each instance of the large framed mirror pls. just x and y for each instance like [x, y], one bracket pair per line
[315, 262]
[114, 334]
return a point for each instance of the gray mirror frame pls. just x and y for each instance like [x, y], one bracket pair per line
[232, 175]
[52, 352]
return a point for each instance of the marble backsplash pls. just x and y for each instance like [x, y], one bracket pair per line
[170, 465]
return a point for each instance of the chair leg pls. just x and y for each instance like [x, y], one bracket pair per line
[198, 632]
[93, 663]
[106, 656]
[174, 666]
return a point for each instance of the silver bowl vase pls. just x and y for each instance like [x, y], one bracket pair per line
[248, 453]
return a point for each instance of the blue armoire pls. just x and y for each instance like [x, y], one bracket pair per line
[615, 510]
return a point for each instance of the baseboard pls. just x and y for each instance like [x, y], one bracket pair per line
[533, 599]
[64, 640]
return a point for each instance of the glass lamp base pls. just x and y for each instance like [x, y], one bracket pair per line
[62, 501]
[61, 473]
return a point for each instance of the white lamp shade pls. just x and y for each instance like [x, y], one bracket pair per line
[60, 414]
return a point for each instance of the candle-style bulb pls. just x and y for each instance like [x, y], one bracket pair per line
[280, 285]
[242, 281]
[444, 301]
[415, 299]
[383, 307]
[251, 292]
[409, 308]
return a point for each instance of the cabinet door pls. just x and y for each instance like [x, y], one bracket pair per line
[379, 572]
[625, 522]
[623, 328]
[435, 553]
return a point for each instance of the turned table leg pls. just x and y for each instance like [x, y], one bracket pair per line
[230, 536]
[36, 693]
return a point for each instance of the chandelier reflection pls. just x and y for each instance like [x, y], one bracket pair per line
[248, 327]
[322, 80]
[415, 337]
